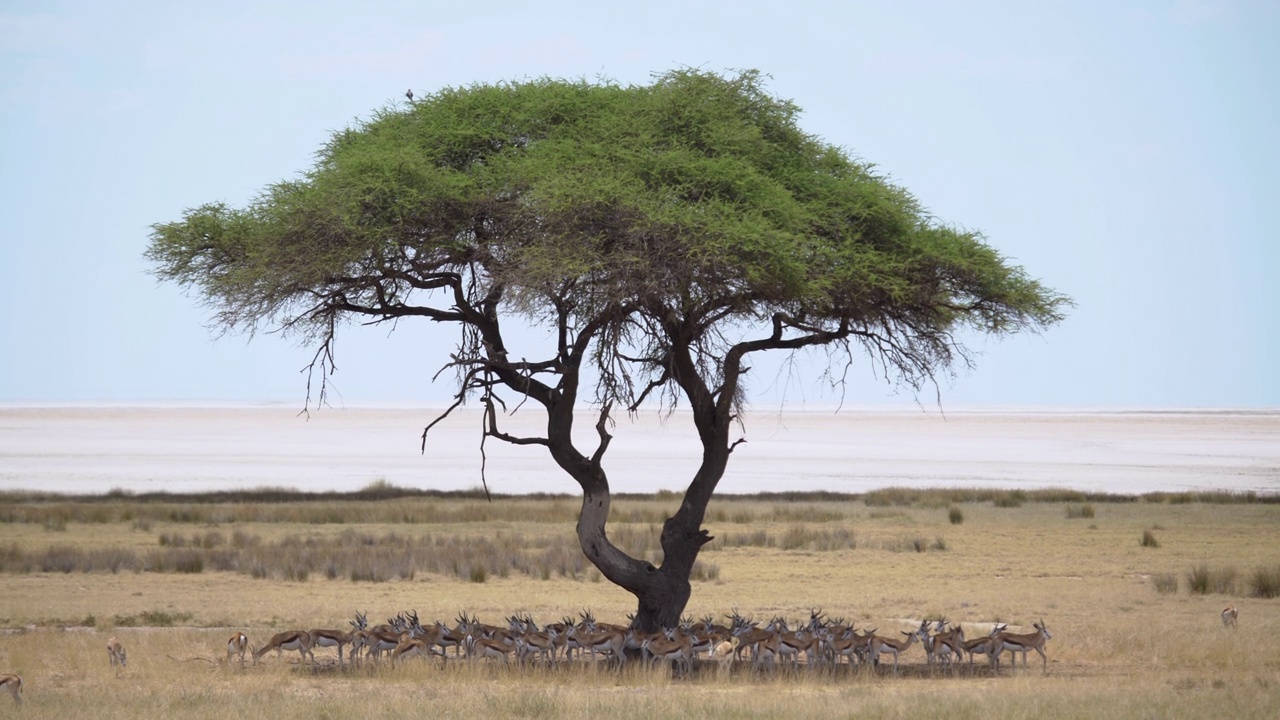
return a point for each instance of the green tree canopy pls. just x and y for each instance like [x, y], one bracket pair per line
[661, 232]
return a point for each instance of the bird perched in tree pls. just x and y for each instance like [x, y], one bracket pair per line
[409, 94]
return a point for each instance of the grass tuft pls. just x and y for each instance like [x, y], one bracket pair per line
[1265, 582]
[1010, 499]
[955, 515]
[1149, 539]
[1202, 580]
[1076, 512]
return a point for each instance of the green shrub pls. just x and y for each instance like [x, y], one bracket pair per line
[1149, 539]
[955, 515]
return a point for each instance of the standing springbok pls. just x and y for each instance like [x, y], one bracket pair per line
[12, 683]
[116, 652]
[984, 645]
[879, 645]
[333, 638]
[1229, 615]
[237, 645]
[299, 640]
[1024, 642]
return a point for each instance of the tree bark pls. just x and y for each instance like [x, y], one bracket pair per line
[662, 593]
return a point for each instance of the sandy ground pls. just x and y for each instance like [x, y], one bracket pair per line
[95, 449]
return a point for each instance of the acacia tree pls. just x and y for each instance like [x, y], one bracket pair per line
[661, 233]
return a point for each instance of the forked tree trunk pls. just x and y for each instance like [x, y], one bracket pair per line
[662, 593]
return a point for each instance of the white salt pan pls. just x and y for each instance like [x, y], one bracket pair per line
[177, 449]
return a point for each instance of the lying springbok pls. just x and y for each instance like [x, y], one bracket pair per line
[1229, 615]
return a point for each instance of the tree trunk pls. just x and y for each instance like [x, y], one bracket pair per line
[662, 593]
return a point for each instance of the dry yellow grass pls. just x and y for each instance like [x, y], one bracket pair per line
[1120, 648]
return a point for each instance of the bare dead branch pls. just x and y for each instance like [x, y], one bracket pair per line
[603, 433]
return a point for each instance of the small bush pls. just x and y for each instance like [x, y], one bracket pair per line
[114, 559]
[755, 538]
[704, 571]
[1265, 582]
[1011, 499]
[838, 539]
[1149, 539]
[152, 618]
[1202, 580]
[955, 515]
[479, 574]
[1076, 512]
[796, 537]
[187, 561]
[61, 558]
[1166, 583]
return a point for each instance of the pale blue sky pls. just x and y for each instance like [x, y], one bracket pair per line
[1124, 152]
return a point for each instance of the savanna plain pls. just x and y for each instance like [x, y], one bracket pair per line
[1131, 588]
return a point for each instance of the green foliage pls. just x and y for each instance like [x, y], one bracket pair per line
[955, 515]
[697, 195]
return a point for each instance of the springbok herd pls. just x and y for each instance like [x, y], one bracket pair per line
[818, 642]
[815, 643]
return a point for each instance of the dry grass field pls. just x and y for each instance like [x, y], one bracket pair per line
[1125, 644]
